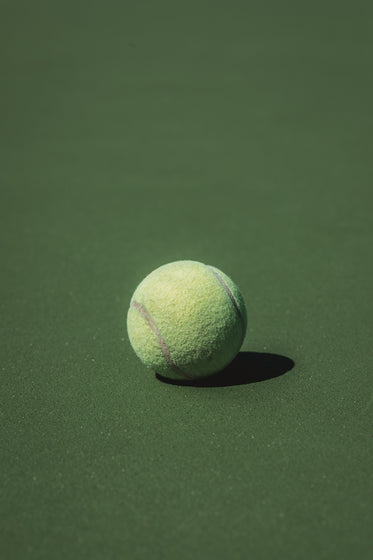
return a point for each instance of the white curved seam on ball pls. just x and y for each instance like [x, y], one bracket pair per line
[231, 297]
[161, 341]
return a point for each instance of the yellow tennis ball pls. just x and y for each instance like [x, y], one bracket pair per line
[186, 320]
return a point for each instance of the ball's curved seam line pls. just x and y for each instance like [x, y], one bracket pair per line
[231, 297]
[161, 341]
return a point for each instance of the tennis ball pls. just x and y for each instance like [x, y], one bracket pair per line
[186, 320]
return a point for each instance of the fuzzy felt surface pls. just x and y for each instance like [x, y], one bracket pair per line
[186, 319]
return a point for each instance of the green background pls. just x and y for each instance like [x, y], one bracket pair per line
[237, 133]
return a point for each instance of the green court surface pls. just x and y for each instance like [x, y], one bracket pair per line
[238, 134]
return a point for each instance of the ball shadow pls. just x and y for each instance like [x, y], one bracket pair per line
[247, 367]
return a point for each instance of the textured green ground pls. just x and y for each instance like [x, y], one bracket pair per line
[135, 134]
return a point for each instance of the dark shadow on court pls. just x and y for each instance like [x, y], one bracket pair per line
[247, 367]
